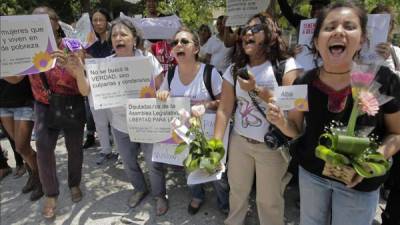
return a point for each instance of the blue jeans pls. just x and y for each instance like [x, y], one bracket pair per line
[221, 188]
[324, 201]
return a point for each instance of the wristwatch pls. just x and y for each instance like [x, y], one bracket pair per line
[255, 92]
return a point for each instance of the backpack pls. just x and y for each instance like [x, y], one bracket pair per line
[206, 78]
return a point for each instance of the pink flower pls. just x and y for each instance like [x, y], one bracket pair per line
[175, 123]
[185, 115]
[368, 103]
[198, 110]
[363, 79]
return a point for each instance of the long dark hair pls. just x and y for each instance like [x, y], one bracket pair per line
[361, 14]
[275, 48]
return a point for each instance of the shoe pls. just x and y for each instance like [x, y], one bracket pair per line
[161, 206]
[225, 211]
[5, 172]
[104, 157]
[30, 183]
[90, 141]
[76, 194]
[49, 207]
[20, 170]
[194, 206]
[136, 198]
[37, 192]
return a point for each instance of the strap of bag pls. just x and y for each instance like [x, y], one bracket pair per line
[207, 74]
[396, 60]
[45, 83]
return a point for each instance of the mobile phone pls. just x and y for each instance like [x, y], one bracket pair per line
[243, 73]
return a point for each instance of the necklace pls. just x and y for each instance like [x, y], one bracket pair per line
[335, 72]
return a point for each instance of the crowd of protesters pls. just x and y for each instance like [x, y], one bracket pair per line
[178, 67]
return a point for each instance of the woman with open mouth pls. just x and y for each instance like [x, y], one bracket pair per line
[125, 41]
[339, 34]
[187, 80]
[261, 50]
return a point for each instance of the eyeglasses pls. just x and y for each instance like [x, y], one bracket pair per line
[183, 41]
[254, 29]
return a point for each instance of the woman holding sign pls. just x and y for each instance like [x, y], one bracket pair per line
[339, 34]
[67, 80]
[247, 82]
[187, 80]
[125, 39]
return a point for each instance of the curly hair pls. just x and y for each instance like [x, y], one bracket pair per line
[275, 48]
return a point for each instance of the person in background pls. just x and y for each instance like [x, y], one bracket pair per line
[216, 52]
[391, 54]
[188, 82]
[294, 18]
[19, 161]
[249, 156]
[66, 78]
[5, 169]
[161, 49]
[16, 115]
[204, 35]
[339, 34]
[100, 49]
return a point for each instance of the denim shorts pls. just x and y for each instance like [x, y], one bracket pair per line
[19, 113]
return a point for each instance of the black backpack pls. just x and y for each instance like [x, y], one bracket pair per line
[206, 77]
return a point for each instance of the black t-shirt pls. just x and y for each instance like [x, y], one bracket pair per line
[15, 95]
[100, 49]
[318, 117]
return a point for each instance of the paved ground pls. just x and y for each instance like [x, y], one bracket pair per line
[105, 199]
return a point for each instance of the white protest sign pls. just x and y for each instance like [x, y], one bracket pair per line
[201, 176]
[306, 57]
[83, 31]
[26, 44]
[292, 97]
[165, 152]
[162, 28]
[378, 29]
[113, 80]
[240, 11]
[149, 119]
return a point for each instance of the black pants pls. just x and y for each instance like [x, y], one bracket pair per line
[391, 215]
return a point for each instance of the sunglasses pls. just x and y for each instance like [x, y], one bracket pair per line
[183, 41]
[254, 29]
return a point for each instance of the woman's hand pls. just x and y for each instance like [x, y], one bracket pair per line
[383, 49]
[74, 65]
[275, 115]
[247, 85]
[162, 95]
[60, 57]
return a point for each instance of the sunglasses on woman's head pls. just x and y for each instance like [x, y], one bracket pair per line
[183, 41]
[254, 29]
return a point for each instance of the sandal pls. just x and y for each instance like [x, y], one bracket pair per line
[49, 207]
[161, 206]
[194, 206]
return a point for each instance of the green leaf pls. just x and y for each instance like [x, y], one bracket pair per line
[180, 148]
[187, 161]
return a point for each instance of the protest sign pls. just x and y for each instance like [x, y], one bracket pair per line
[149, 119]
[306, 57]
[26, 44]
[83, 31]
[239, 11]
[160, 28]
[378, 29]
[165, 152]
[292, 97]
[113, 80]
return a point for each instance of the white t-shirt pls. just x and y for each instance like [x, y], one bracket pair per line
[248, 120]
[119, 113]
[389, 62]
[219, 53]
[196, 90]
